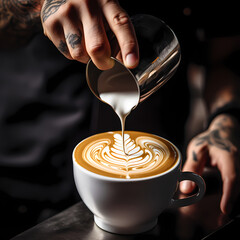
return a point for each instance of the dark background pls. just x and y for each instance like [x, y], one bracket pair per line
[47, 108]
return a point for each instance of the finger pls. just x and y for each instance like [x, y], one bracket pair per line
[62, 47]
[97, 45]
[54, 31]
[196, 160]
[75, 42]
[230, 179]
[122, 27]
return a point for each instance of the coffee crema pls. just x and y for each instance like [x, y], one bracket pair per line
[148, 154]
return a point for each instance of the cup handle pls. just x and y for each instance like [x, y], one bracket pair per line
[192, 199]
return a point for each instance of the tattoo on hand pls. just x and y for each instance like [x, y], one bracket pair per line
[194, 155]
[214, 138]
[74, 39]
[63, 47]
[51, 7]
[224, 136]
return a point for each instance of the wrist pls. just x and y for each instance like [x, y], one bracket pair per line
[223, 122]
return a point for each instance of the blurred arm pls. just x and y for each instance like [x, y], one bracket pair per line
[223, 83]
[219, 145]
[19, 21]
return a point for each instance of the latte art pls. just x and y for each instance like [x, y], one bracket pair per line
[147, 155]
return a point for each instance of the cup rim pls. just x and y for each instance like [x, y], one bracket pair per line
[115, 179]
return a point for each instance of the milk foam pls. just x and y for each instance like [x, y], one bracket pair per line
[120, 90]
[146, 155]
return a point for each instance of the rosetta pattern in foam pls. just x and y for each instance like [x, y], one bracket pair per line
[145, 154]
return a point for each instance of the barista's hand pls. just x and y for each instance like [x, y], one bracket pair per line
[78, 29]
[217, 147]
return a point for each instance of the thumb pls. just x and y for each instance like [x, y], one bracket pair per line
[196, 160]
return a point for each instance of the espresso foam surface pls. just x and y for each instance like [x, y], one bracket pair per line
[147, 154]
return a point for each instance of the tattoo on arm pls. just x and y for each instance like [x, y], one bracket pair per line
[50, 7]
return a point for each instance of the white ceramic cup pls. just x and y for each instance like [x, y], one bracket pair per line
[131, 206]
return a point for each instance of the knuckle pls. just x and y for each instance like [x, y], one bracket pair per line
[121, 19]
[96, 49]
[52, 26]
[78, 54]
[95, 42]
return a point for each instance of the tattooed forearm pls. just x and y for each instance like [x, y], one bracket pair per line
[19, 21]
[50, 7]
